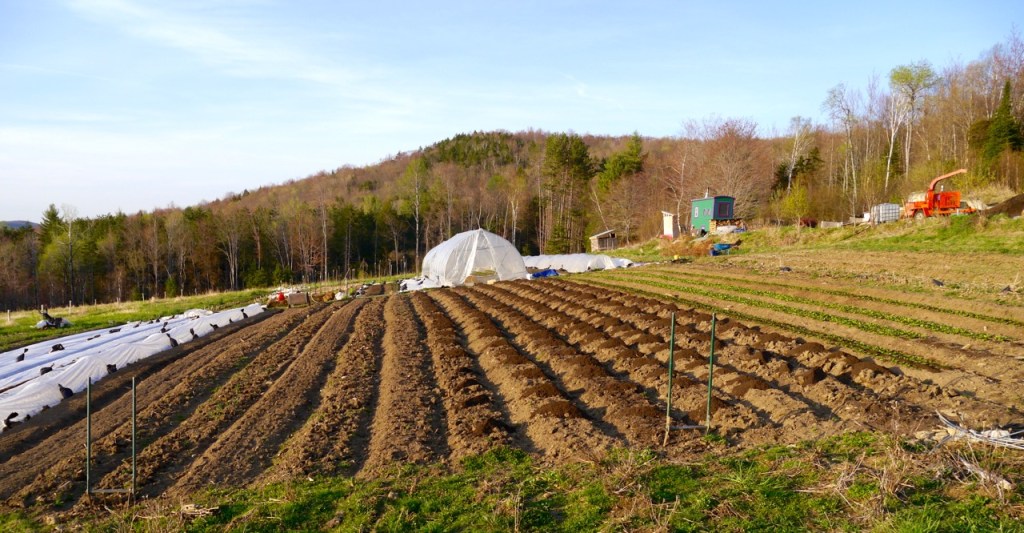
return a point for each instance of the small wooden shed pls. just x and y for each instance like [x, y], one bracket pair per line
[669, 225]
[603, 241]
[713, 211]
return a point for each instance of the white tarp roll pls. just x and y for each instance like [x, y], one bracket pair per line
[416, 284]
[25, 390]
[576, 263]
[473, 252]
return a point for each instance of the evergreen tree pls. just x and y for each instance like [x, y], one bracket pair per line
[627, 162]
[1003, 131]
[51, 226]
[567, 168]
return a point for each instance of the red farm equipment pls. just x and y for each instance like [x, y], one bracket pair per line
[932, 203]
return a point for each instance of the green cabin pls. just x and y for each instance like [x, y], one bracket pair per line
[710, 212]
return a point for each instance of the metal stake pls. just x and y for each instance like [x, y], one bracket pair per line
[671, 373]
[711, 372]
[132, 495]
[88, 445]
[88, 435]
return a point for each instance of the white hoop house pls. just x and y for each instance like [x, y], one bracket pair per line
[475, 256]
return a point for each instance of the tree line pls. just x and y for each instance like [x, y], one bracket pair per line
[545, 192]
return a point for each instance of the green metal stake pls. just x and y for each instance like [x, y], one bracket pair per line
[711, 372]
[132, 496]
[671, 373]
[88, 435]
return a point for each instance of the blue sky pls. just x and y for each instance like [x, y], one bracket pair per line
[131, 105]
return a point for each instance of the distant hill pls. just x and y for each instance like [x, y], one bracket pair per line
[18, 224]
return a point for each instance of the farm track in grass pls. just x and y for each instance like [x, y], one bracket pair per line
[565, 369]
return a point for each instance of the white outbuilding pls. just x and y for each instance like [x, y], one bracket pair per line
[475, 256]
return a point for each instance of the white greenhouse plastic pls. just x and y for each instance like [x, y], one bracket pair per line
[473, 256]
[575, 263]
[31, 377]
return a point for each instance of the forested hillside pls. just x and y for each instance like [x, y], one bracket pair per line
[544, 191]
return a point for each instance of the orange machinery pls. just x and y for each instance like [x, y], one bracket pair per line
[932, 203]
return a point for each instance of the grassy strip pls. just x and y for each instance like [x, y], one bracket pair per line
[877, 299]
[957, 234]
[22, 331]
[796, 311]
[881, 315]
[849, 482]
[886, 354]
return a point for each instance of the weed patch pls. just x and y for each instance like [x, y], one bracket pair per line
[856, 481]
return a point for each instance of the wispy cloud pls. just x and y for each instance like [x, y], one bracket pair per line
[36, 69]
[583, 91]
[232, 46]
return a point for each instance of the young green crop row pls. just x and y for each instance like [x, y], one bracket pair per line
[881, 315]
[821, 316]
[887, 354]
[878, 299]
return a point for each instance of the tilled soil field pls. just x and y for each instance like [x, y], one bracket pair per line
[564, 369]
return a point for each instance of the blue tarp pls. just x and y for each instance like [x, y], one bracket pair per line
[720, 248]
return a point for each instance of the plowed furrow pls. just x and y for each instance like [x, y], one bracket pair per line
[789, 406]
[986, 317]
[242, 452]
[552, 424]
[617, 406]
[784, 384]
[601, 336]
[630, 394]
[856, 389]
[160, 462]
[327, 444]
[54, 469]
[937, 344]
[409, 425]
[471, 404]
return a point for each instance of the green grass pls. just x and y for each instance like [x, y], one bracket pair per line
[956, 234]
[850, 482]
[652, 250]
[18, 521]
